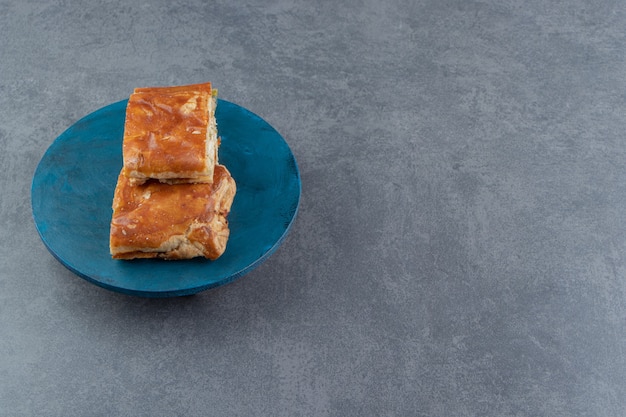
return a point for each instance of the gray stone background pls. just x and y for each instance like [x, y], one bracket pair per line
[460, 245]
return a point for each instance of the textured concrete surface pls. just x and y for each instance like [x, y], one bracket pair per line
[460, 246]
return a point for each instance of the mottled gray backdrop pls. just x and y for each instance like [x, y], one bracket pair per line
[460, 248]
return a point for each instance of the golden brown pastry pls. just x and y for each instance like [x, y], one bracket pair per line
[182, 221]
[170, 134]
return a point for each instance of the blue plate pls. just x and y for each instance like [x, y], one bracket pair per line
[73, 186]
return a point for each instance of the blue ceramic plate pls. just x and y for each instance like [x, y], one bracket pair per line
[73, 186]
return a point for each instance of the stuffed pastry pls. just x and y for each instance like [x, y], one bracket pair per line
[170, 134]
[182, 221]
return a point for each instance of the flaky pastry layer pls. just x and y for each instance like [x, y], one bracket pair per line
[170, 134]
[181, 221]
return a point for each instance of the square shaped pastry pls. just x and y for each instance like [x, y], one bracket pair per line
[182, 221]
[170, 134]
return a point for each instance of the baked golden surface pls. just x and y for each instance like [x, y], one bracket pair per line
[170, 134]
[157, 220]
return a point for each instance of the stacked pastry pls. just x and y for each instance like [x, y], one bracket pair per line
[172, 197]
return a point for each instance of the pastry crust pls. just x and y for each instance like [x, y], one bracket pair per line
[156, 220]
[170, 134]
